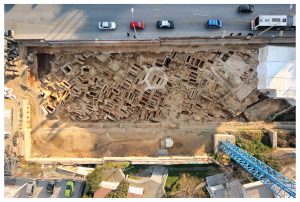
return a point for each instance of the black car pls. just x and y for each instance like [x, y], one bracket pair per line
[165, 24]
[50, 187]
[246, 8]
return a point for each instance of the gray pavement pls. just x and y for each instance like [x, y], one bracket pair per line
[41, 188]
[80, 22]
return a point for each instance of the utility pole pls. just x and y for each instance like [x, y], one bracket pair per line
[132, 10]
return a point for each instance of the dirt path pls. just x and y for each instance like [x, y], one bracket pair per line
[70, 139]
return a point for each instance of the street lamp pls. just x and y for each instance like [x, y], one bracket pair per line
[132, 10]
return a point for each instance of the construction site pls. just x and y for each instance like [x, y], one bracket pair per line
[151, 104]
[105, 103]
[149, 100]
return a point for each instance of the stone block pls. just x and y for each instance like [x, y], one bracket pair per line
[217, 138]
[273, 137]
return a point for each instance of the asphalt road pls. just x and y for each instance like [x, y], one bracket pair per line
[65, 22]
[59, 189]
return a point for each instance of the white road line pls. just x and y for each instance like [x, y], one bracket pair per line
[222, 18]
[202, 14]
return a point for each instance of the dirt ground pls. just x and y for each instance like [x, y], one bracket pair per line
[179, 87]
[287, 157]
[76, 139]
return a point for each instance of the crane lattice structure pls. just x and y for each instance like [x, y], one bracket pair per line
[276, 182]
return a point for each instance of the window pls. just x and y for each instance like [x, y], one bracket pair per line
[284, 20]
[275, 19]
[257, 21]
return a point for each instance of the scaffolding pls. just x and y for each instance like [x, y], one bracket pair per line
[279, 184]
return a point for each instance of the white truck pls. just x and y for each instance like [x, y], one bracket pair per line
[276, 22]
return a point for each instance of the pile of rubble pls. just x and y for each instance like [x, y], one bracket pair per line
[8, 93]
[11, 55]
[204, 86]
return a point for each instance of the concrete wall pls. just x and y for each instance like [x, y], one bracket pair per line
[273, 137]
[134, 160]
[26, 126]
[217, 138]
[16, 192]
[257, 190]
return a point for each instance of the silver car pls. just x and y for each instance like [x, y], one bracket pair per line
[107, 25]
[31, 188]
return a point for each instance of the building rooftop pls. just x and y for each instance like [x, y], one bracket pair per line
[109, 185]
[102, 192]
[218, 186]
[136, 190]
[257, 190]
[277, 71]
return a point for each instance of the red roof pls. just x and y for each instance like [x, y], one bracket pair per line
[131, 195]
[101, 193]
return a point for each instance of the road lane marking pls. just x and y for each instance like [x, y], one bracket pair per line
[202, 15]
[222, 18]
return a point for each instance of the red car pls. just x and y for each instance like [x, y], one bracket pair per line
[137, 25]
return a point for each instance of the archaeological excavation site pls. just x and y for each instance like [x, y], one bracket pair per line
[130, 87]
[151, 101]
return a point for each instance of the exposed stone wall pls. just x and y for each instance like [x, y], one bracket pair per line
[204, 86]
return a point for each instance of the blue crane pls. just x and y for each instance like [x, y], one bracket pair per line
[279, 184]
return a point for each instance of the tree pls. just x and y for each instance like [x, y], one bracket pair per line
[120, 192]
[93, 179]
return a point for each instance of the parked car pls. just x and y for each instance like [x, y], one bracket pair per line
[137, 25]
[165, 24]
[70, 186]
[50, 187]
[31, 188]
[107, 25]
[214, 24]
[246, 8]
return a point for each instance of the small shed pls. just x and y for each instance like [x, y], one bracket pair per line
[168, 142]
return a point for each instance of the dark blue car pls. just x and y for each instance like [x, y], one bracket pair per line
[214, 23]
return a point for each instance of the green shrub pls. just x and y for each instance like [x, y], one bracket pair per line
[257, 149]
[94, 178]
[121, 165]
[120, 192]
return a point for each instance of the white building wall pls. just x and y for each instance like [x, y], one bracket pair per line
[277, 70]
